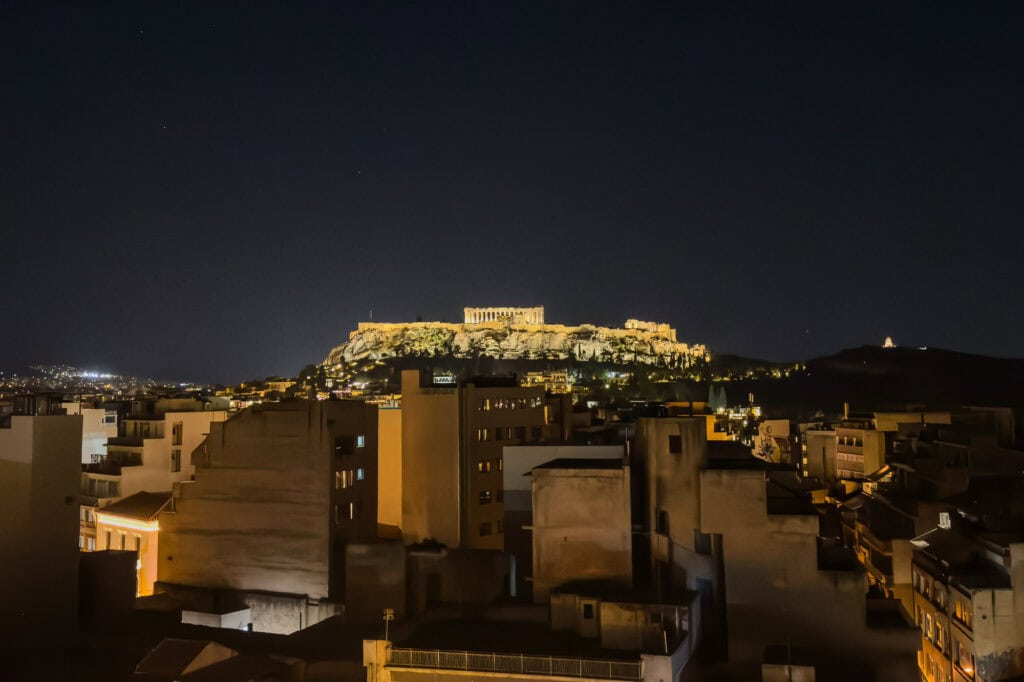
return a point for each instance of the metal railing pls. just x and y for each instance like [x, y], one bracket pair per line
[515, 663]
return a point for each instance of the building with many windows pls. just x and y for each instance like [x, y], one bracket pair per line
[150, 453]
[968, 582]
[452, 453]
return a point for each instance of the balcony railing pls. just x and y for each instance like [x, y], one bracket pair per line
[515, 664]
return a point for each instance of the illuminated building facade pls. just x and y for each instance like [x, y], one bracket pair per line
[860, 450]
[151, 452]
[582, 524]
[132, 524]
[280, 489]
[40, 456]
[452, 444]
[968, 602]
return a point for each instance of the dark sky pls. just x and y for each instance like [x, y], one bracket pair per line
[218, 193]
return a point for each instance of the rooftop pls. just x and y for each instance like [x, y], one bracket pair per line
[504, 636]
[581, 463]
[143, 506]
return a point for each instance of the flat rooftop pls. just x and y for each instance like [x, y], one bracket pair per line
[581, 463]
[507, 637]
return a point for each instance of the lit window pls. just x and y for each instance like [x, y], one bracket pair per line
[501, 464]
[485, 404]
[360, 441]
[351, 510]
[484, 466]
[482, 434]
[360, 474]
[485, 497]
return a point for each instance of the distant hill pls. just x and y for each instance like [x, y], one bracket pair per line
[873, 377]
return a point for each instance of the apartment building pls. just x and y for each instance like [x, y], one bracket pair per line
[968, 583]
[280, 490]
[452, 453]
[860, 449]
[132, 524]
[150, 453]
[40, 456]
[582, 524]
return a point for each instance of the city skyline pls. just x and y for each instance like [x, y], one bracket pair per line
[200, 193]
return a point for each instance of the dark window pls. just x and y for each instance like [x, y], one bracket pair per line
[520, 433]
[485, 497]
[588, 611]
[662, 522]
[536, 433]
[675, 445]
[344, 445]
[485, 528]
[701, 542]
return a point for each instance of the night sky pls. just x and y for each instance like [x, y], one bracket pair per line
[222, 193]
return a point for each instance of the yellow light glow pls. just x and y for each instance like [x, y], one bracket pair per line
[122, 522]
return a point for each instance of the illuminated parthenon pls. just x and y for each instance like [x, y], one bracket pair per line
[513, 315]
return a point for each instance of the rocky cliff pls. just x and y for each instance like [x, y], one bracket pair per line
[515, 342]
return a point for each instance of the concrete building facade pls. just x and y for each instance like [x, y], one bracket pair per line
[582, 524]
[150, 453]
[40, 459]
[969, 605]
[279, 491]
[452, 455]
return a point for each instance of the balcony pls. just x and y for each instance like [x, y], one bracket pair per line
[125, 442]
[515, 664]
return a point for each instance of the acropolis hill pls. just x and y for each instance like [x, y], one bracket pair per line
[518, 334]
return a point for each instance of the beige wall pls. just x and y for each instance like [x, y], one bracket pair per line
[389, 469]
[430, 462]
[821, 454]
[581, 528]
[40, 459]
[259, 514]
[673, 480]
[774, 590]
[123, 534]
